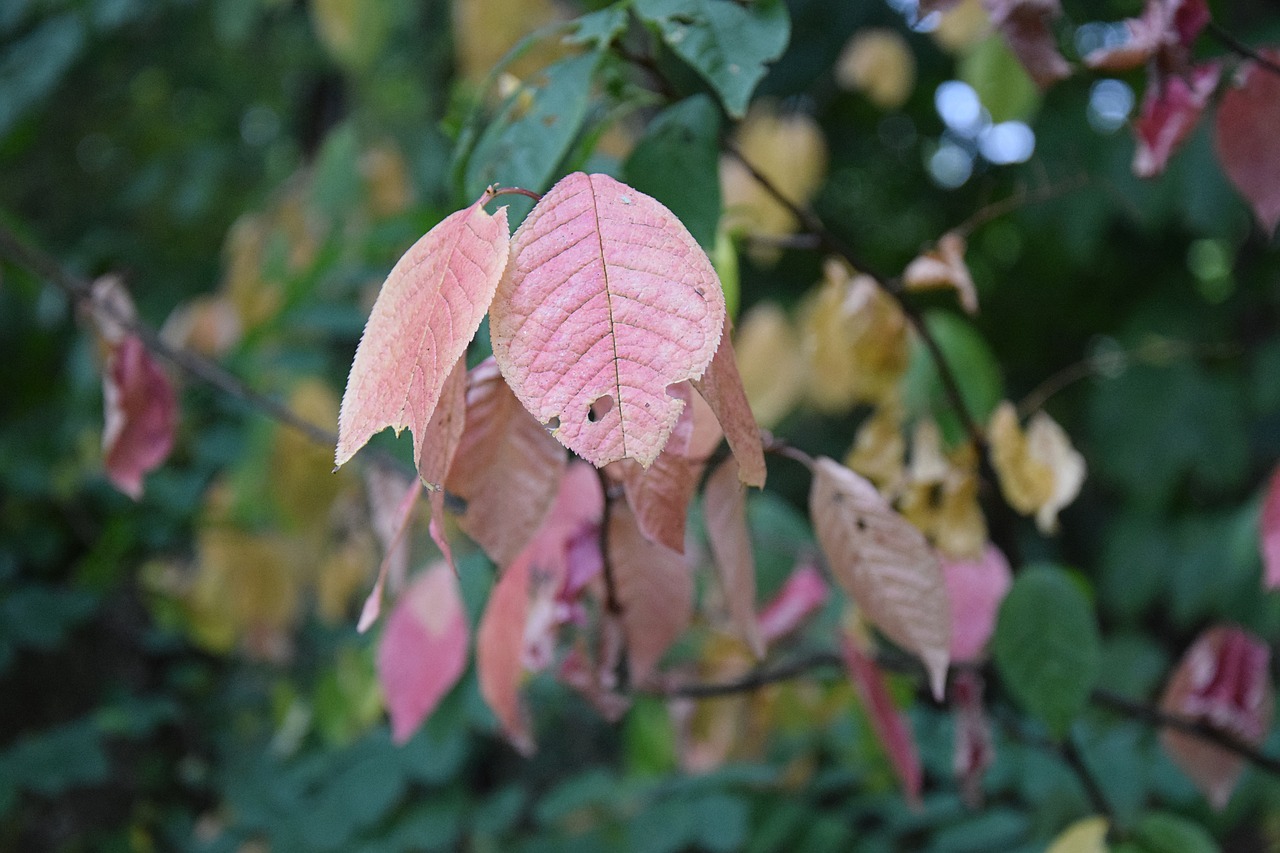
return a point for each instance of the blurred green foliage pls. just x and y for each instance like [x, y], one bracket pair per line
[143, 137]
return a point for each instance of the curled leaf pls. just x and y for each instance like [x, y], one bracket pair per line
[500, 643]
[884, 564]
[722, 388]
[608, 302]
[1040, 472]
[423, 651]
[725, 508]
[975, 749]
[944, 266]
[1247, 142]
[140, 416]
[1171, 107]
[802, 594]
[1025, 26]
[428, 310]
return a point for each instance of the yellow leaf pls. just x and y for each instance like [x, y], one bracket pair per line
[878, 63]
[769, 362]
[208, 325]
[962, 26]
[245, 588]
[484, 30]
[879, 448]
[388, 186]
[343, 573]
[855, 341]
[353, 31]
[941, 494]
[301, 474]
[1040, 472]
[944, 266]
[1088, 835]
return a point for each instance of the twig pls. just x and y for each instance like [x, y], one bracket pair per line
[1075, 760]
[1234, 44]
[1019, 199]
[756, 679]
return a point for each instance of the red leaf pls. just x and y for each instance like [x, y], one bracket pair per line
[660, 494]
[1269, 534]
[500, 652]
[423, 651]
[890, 726]
[428, 310]
[884, 564]
[507, 468]
[1247, 141]
[1166, 31]
[975, 750]
[608, 302]
[1025, 26]
[722, 388]
[1171, 107]
[141, 413]
[725, 508]
[654, 588]
[803, 593]
[1222, 681]
[975, 589]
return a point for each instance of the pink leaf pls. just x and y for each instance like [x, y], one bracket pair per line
[391, 531]
[608, 302]
[884, 564]
[975, 589]
[140, 415]
[1222, 681]
[660, 494]
[428, 310]
[1247, 141]
[722, 389]
[890, 726]
[439, 444]
[975, 750]
[1269, 534]
[388, 492]
[423, 651]
[803, 593]
[1170, 109]
[507, 468]
[500, 652]
[725, 508]
[1025, 26]
[1166, 31]
[654, 588]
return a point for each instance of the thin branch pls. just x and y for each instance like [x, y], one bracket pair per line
[1235, 45]
[612, 603]
[1019, 199]
[1071, 754]
[756, 679]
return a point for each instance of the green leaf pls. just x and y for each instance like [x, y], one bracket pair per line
[730, 44]
[1161, 832]
[599, 29]
[676, 162]
[31, 67]
[1047, 646]
[1000, 81]
[535, 128]
[976, 370]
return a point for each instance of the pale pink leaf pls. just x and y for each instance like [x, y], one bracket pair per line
[707, 432]
[654, 589]
[500, 642]
[1247, 141]
[891, 727]
[722, 388]
[392, 533]
[975, 749]
[1269, 534]
[660, 494]
[1165, 32]
[595, 676]
[392, 497]
[506, 470]
[428, 310]
[803, 593]
[439, 444]
[725, 508]
[140, 415]
[884, 564]
[608, 301]
[423, 651]
[944, 266]
[1025, 27]
[1171, 107]
[975, 589]
[1222, 681]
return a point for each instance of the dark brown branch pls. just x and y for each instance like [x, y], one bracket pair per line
[1097, 797]
[612, 603]
[756, 679]
[1236, 46]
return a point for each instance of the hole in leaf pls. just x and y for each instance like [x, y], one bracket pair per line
[862, 525]
[601, 407]
[553, 424]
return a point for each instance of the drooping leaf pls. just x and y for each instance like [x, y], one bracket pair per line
[1269, 534]
[608, 302]
[721, 387]
[655, 591]
[1087, 835]
[1248, 146]
[500, 652]
[442, 437]
[1223, 681]
[975, 589]
[941, 494]
[390, 525]
[891, 727]
[428, 310]
[802, 594]
[975, 749]
[507, 468]
[730, 44]
[524, 144]
[944, 266]
[1171, 108]
[660, 494]
[1166, 29]
[1025, 26]
[1040, 472]
[770, 363]
[884, 564]
[725, 508]
[423, 651]
[675, 162]
[140, 415]
[1046, 646]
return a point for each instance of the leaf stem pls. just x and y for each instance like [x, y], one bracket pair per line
[494, 191]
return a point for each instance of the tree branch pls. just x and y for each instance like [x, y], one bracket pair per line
[1236, 46]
